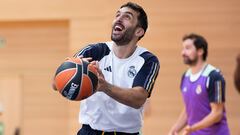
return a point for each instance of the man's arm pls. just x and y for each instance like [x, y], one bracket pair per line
[180, 124]
[213, 117]
[237, 74]
[134, 97]
[142, 84]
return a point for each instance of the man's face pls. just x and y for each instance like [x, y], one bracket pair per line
[124, 26]
[189, 53]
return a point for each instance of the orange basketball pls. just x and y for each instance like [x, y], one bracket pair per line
[76, 79]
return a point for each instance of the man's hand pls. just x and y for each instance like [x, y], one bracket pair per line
[103, 85]
[172, 133]
[187, 130]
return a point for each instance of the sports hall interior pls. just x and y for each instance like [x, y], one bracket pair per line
[36, 36]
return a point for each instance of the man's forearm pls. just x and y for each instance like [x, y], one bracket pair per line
[209, 120]
[134, 97]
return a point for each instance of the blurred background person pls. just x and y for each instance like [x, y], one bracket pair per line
[1, 119]
[203, 91]
[237, 74]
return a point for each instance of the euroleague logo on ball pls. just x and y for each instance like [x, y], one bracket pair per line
[71, 91]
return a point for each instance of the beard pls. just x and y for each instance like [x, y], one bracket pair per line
[188, 61]
[123, 38]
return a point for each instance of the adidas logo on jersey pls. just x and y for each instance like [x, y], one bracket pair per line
[109, 68]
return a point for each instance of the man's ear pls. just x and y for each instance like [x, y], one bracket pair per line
[139, 32]
[200, 52]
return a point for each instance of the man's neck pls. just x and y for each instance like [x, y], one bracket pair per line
[198, 67]
[124, 51]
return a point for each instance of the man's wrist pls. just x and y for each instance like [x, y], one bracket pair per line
[188, 129]
[192, 128]
[108, 88]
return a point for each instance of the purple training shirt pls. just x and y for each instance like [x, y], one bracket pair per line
[198, 94]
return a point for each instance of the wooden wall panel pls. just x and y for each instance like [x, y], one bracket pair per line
[34, 45]
[11, 103]
[45, 110]
[33, 50]
[48, 10]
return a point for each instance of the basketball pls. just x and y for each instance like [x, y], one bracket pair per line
[76, 79]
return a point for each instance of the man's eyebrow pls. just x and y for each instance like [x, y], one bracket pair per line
[127, 12]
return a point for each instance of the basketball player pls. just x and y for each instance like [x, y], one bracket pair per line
[1, 120]
[127, 74]
[237, 74]
[203, 91]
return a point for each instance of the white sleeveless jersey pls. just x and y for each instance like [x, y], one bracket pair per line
[102, 112]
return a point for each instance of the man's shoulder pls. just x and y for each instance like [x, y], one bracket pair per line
[99, 47]
[100, 44]
[213, 73]
[147, 55]
[95, 50]
[210, 70]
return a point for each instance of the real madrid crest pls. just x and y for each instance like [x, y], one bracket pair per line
[185, 89]
[132, 71]
[199, 89]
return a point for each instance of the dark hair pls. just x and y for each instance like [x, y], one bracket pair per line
[142, 18]
[199, 42]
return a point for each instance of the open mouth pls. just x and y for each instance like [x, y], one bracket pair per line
[118, 27]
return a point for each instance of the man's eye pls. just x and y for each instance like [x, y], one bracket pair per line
[127, 17]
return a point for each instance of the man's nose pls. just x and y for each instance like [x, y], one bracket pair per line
[183, 52]
[119, 18]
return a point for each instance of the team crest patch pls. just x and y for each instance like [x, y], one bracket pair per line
[199, 89]
[185, 89]
[132, 71]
